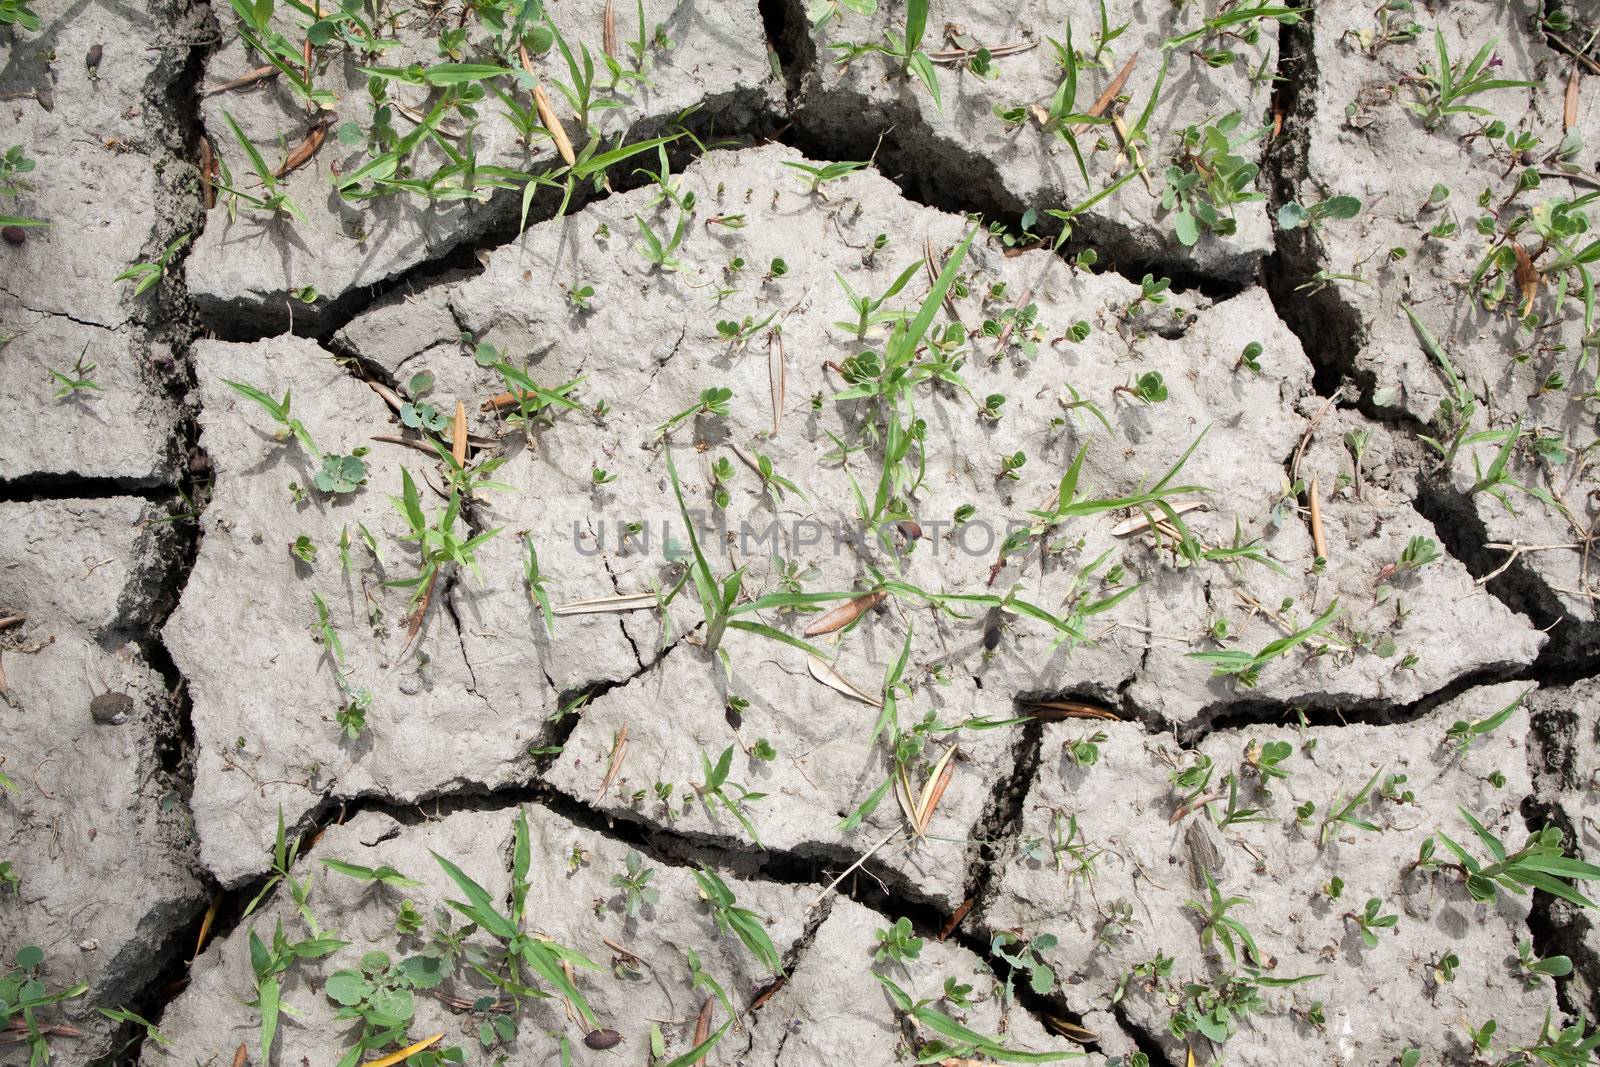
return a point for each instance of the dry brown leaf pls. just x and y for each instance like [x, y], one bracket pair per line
[1070, 1030]
[702, 1027]
[902, 793]
[552, 122]
[249, 78]
[955, 919]
[1527, 276]
[618, 751]
[389, 396]
[1319, 536]
[1569, 111]
[1104, 100]
[778, 375]
[208, 173]
[845, 614]
[608, 30]
[205, 924]
[597, 605]
[458, 434]
[824, 673]
[938, 782]
[1140, 522]
[1055, 710]
[240, 1056]
[302, 152]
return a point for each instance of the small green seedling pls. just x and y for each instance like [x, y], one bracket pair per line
[1342, 812]
[634, 882]
[713, 401]
[906, 49]
[272, 199]
[1250, 358]
[384, 875]
[1465, 732]
[897, 943]
[1028, 956]
[715, 788]
[23, 995]
[1218, 927]
[1541, 863]
[380, 993]
[1248, 666]
[545, 959]
[772, 482]
[719, 600]
[438, 542]
[79, 379]
[123, 1015]
[1418, 553]
[269, 966]
[1370, 920]
[1536, 970]
[342, 474]
[1148, 388]
[14, 163]
[535, 580]
[866, 306]
[1449, 84]
[1293, 215]
[1211, 178]
[657, 252]
[741, 921]
[279, 411]
[822, 175]
[144, 276]
[957, 1040]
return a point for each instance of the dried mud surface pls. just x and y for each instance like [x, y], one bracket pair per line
[253, 753]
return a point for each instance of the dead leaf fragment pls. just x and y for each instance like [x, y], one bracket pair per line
[778, 375]
[302, 152]
[1054, 710]
[824, 673]
[619, 750]
[1104, 100]
[458, 434]
[845, 614]
[246, 79]
[1527, 276]
[1569, 111]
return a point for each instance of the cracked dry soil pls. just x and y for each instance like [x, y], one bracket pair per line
[1158, 464]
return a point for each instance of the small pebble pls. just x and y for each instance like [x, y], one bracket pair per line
[111, 709]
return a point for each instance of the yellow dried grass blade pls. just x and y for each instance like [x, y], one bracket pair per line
[902, 793]
[410, 1050]
[934, 789]
[205, 923]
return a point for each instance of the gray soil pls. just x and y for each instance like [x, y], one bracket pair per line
[1095, 844]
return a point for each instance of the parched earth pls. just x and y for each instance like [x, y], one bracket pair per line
[762, 533]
